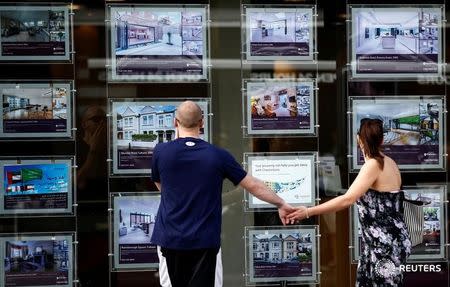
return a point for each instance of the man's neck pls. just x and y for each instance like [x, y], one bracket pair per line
[188, 134]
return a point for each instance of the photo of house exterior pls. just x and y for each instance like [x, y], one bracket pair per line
[281, 255]
[138, 127]
[280, 247]
[146, 120]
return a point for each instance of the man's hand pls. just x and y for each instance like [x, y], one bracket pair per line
[298, 214]
[284, 211]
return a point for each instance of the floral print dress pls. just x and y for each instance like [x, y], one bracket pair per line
[385, 239]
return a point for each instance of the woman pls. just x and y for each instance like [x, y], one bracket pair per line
[376, 191]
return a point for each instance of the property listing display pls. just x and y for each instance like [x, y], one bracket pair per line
[428, 233]
[279, 33]
[35, 33]
[133, 223]
[292, 176]
[137, 126]
[412, 126]
[37, 260]
[36, 110]
[158, 42]
[281, 254]
[284, 107]
[36, 186]
[397, 42]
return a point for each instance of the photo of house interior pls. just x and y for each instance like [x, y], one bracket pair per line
[32, 26]
[192, 47]
[286, 254]
[149, 32]
[136, 218]
[302, 27]
[405, 122]
[192, 33]
[395, 31]
[34, 103]
[272, 27]
[279, 101]
[36, 256]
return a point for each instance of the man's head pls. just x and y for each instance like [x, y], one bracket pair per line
[189, 116]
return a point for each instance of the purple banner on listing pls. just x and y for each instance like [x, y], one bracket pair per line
[36, 201]
[284, 269]
[410, 155]
[137, 253]
[397, 63]
[281, 123]
[135, 158]
[36, 278]
[159, 65]
[35, 126]
[279, 49]
[34, 49]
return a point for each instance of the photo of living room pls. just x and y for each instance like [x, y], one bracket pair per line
[279, 101]
[272, 27]
[395, 31]
[136, 218]
[147, 32]
[34, 103]
[36, 256]
[32, 26]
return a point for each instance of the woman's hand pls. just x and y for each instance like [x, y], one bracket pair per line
[298, 215]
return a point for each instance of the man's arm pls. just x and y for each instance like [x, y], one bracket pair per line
[261, 191]
[158, 185]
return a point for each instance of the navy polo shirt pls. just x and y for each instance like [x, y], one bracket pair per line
[191, 172]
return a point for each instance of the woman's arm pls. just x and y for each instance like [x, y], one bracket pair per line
[365, 179]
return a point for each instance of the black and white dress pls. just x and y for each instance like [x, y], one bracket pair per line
[385, 239]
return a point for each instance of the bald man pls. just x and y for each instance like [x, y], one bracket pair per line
[189, 172]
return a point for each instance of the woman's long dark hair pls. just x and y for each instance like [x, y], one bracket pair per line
[371, 136]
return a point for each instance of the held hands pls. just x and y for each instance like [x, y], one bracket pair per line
[283, 211]
[300, 213]
[292, 215]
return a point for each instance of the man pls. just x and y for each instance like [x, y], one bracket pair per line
[189, 172]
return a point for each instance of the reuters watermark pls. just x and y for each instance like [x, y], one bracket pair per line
[386, 268]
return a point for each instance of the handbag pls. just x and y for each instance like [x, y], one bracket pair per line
[413, 217]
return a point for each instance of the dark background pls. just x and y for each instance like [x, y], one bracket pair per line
[88, 70]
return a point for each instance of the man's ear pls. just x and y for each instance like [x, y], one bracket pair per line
[175, 122]
[201, 123]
